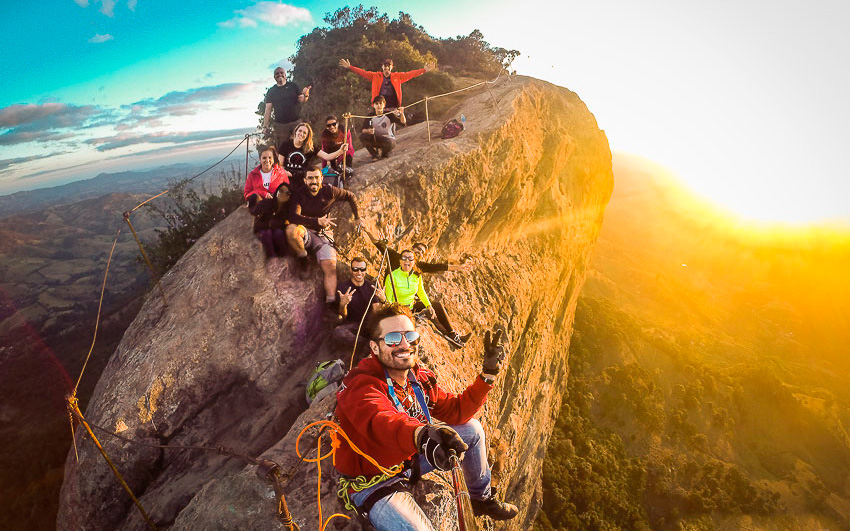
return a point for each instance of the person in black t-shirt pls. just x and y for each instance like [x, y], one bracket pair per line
[297, 152]
[284, 98]
[310, 227]
[353, 296]
[378, 132]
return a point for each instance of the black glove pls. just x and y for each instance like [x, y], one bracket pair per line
[494, 351]
[438, 443]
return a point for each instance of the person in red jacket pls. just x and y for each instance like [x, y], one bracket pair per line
[386, 82]
[390, 407]
[265, 178]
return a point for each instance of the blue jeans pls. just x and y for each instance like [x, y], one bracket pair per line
[400, 512]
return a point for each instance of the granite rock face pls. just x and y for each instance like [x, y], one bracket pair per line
[520, 193]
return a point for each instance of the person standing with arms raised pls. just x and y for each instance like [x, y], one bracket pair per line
[387, 83]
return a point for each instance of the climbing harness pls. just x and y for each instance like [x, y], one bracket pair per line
[335, 432]
[417, 390]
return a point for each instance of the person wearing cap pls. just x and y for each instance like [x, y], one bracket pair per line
[393, 410]
[284, 97]
[387, 83]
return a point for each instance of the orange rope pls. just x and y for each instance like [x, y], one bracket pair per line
[335, 432]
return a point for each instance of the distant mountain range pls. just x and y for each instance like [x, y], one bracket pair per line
[127, 182]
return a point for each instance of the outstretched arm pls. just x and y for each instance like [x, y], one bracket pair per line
[345, 63]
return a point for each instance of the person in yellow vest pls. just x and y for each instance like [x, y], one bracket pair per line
[404, 285]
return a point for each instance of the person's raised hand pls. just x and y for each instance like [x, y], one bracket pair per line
[326, 221]
[345, 63]
[494, 351]
[345, 298]
[430, 66]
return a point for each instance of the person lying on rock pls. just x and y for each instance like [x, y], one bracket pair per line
[378, 132]
[387, 83]
[393, 410]
[419, 250]
[310, 228]
[404, 285]
[354, 307]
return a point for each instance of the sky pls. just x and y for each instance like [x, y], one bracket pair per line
[745, 101]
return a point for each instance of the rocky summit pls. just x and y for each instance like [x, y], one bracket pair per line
[520, 193]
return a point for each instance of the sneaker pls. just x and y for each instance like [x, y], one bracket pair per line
[454, 338]
[465, 337]
[495, 509]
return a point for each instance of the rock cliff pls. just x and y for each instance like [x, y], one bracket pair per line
[520, 193]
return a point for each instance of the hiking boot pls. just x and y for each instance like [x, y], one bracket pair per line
[495, 509]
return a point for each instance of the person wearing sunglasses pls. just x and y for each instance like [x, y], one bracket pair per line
[333, 138]
[394, 411]
[354, 296]
[419, 250]
[405, 286]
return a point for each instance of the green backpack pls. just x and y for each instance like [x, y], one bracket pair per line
[325, 374]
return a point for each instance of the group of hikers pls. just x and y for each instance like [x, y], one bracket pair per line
[390, 406]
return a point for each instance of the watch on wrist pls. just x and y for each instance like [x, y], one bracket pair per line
[488, 379]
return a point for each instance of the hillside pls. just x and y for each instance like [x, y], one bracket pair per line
[52, 261]
[708, 372]
[224, 363]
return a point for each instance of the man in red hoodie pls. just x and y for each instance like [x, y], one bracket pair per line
[386, 82]
[394, 411]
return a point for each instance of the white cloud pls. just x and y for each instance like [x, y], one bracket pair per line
[98, 38]
[131, 5]
[270, 13]
[82, 3]
[107, 7]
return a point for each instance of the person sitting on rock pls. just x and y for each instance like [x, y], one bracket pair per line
[389, 406]
[311, 225]
[387, 83]
[299, 150]
[419, 250]
[378, 132]
[267, 194]
[405, 286]
[354, 297]
[265, 178]
[333, 138]
[270, 220]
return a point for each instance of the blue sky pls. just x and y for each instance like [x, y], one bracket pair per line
[745, 101]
